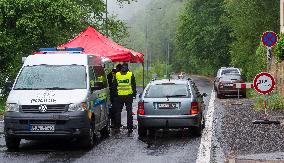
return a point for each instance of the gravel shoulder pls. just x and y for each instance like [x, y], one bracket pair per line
[239, 138]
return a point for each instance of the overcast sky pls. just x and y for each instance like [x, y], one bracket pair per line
[127, 10]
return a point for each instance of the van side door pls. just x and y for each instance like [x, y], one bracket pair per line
[93, 103]
[103, 93]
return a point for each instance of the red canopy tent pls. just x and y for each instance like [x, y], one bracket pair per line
[95, 43]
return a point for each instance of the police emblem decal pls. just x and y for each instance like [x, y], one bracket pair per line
[42, 108]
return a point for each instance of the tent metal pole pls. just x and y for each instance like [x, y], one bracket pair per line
[143, 79]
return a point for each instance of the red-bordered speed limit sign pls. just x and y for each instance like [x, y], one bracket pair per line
[264, 83]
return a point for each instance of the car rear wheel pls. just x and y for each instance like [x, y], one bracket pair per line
[142, 132]
[197, 130]
[12, 143]
[152, 133]
[219, 95]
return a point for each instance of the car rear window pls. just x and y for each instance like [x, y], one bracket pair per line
[167, 90]
[230, 71]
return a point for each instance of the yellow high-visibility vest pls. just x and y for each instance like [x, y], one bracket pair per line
[124, 83]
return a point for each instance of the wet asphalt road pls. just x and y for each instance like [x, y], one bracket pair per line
[170, 146]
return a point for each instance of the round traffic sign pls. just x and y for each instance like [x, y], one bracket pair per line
[264, 83]
[269, 38]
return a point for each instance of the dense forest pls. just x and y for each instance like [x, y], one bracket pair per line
[205, 35]
[198, 36]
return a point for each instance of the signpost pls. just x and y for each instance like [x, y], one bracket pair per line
[264, 83]
[269, 38]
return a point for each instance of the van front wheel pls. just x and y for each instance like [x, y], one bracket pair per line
[88, 139]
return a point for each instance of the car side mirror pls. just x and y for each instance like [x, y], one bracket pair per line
[98, 85]
[8, 86]
[204, 95]
[140, 95]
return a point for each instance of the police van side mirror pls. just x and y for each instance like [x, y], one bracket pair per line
[8, 86]
[97, 86]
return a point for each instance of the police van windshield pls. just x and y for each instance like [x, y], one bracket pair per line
[52, 77]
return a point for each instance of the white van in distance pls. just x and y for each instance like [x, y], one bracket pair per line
[58, 96]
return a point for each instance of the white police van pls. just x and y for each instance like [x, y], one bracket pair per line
[58, 94]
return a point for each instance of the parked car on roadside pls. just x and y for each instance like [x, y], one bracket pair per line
[224, 82]
[171, 104]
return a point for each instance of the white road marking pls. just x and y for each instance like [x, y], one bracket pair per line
[204, 151]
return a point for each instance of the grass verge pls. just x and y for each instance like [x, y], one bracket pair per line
[2, 106]
[274, 100]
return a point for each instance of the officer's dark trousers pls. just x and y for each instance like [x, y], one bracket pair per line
[111, 111]
[119, 102]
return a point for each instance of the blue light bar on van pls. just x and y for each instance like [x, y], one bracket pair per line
[70, 50]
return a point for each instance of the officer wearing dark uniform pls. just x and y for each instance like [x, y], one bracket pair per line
[110, 78]
[125, 89]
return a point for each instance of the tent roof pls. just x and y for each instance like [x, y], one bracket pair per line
[94, 42]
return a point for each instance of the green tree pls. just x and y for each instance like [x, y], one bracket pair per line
[248, 20]
[202, 38]
[159, 21]
[27, 25]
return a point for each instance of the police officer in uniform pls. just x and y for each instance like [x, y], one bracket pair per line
[125, 88]
[110, 78]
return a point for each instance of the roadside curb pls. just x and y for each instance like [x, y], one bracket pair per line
[252, 161]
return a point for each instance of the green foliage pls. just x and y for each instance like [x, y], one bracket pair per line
[159, 21]
[224, 32]
[158, 69]
[2, 106]
[248, 20]
[27, 25]
[259, 64]
[202, 38]
[279, 49]
[274, 100]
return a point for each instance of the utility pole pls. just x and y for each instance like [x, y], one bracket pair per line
[281, 16]
[106, 21]
[148, 55]
[168, 58]
[146, 50]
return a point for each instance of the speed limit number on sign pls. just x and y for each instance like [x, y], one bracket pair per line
[264, 83]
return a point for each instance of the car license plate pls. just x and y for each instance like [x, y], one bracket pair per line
[41, 128]
[167, 105]
[229, 84]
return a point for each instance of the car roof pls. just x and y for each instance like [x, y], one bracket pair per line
[165, 81]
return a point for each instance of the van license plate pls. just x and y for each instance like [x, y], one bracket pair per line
[42, 128]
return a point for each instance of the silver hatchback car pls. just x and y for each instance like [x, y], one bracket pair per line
[171, 104]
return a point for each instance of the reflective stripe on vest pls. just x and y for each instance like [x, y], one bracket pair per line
[124, 83]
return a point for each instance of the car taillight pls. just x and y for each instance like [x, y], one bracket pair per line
[221, 85]
[141, 110]
[194, 108]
